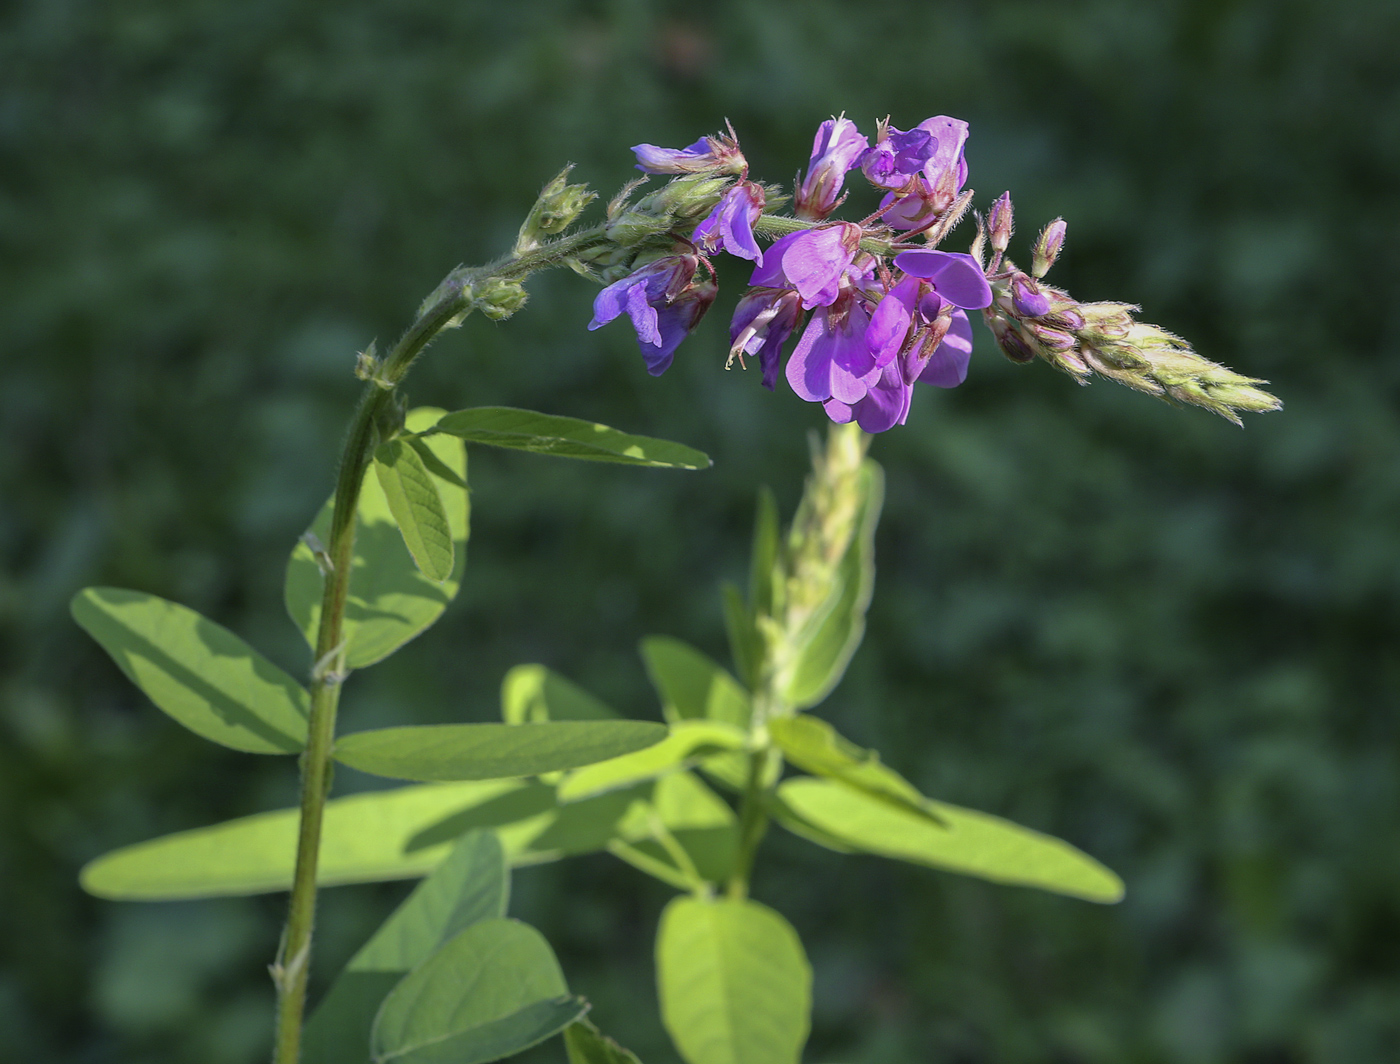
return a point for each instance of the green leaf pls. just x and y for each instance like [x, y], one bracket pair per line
[745, 641]
[492, 751]
[815, 746]
[691, 685]
[491, 991]
[763, 564]
[697, 819]
[834, 632]
[435, 465]
[734, 982]
[470, 885]
[567, 437]
[533, 694]
[688, 742]
[417, 508]
[972, 843]
[391, 600]
[585, 1044]
[198, 672]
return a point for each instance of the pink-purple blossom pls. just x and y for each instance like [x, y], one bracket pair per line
[665, 303]
[838, 148]
[730, 225]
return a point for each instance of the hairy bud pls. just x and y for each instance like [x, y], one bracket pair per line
[999, 222]
[558, 206]
[1047, 248]
[499, 299]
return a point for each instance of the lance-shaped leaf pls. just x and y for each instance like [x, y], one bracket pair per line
[470, 885]
[391, 600]
[567, 437]
[734, 982]
[384, 835]
[198, 672]
[491, 991]
[533, 694]
[417, 508]
[492, 751]
[829, 639]
[815, 746]
[691, 685]
[745, 640]
[972, 843]
[585, 1044]
[689, 742]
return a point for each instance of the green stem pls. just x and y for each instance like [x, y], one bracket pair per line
[753, 824]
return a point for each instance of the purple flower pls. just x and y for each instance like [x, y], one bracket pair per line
[664, 302]
[762, 323]
[1028, 299]
[929, 192]
[730, 224]
[814, 262]
[708, 154]
[832, 360]
[955, 276]
[897, 156]
[837, 148]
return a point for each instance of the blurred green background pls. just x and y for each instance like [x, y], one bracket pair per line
[1140, 628]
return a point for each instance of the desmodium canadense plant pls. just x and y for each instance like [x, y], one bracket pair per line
[448, 978]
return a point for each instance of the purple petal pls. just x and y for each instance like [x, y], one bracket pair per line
[815, 262]
[846, 386]
[809, 368]
[951, 137]
[839, 412]
[889, 325]
[769, 273]
[737, 225]
[957, 276]
[947, 367]
[643, 316]
[886, 404]
[652, 159]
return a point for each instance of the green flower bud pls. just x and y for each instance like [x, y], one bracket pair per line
[499, 299]
[557, 207]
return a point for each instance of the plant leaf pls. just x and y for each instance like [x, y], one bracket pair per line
[391, 600]
[533, 694]
[692, 685]
[417, 508]
[492, 990]
[697, 818]
[763, 563]
[745, 641]
[435, 465]
[834, 632]
[393, 834]
[428, 752]
[815, 746]
[734, 983]
[198, 672]
[688, 742]
[585, 1044]
[972, 843]
[470, 885]
[567, 437]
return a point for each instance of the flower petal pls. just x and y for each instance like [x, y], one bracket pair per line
[809, 368]
[947, 366]
[957, 276]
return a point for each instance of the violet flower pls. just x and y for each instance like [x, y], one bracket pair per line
[929, 192]
[706, 155]
[763, 320]
[730, 224]
[664, 302]
[838, 147]
[897, 156]
[832, 360]
[814, 262]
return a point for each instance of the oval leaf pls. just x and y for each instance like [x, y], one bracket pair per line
[830, 638]
[365, 838]
[197, 671]
[585, 1044]
[815, 746]
[688, 742]
[491, 991]
[533, 694]
[691, 685]
[492, 751]
[469, 886]
[567, 437]
[417, 508]
[734, 982]
[972, 843]
[391, 600]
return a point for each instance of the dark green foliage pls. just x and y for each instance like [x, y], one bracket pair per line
[1137, 628]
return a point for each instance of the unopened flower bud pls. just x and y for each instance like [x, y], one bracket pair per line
[1011, 344]
[1054, 339]
[558, 205]
[1047, 247]
[498, 299]
[1108, 321]
[1026, 296]
[999, 222]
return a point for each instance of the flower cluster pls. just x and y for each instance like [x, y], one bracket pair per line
[877, 308]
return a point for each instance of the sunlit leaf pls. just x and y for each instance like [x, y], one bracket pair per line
[525, 430]
[533, 694]
[831, 637]
[734, 982]
[470, 885]
[491, 991]
[815, 746]
[691, 685]
[391, 600]
[414, 501]
[745, 641]
[972, 843]
[198, 672]
[697, 819]
[763, 561]
[689, 741]
[492, 751]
